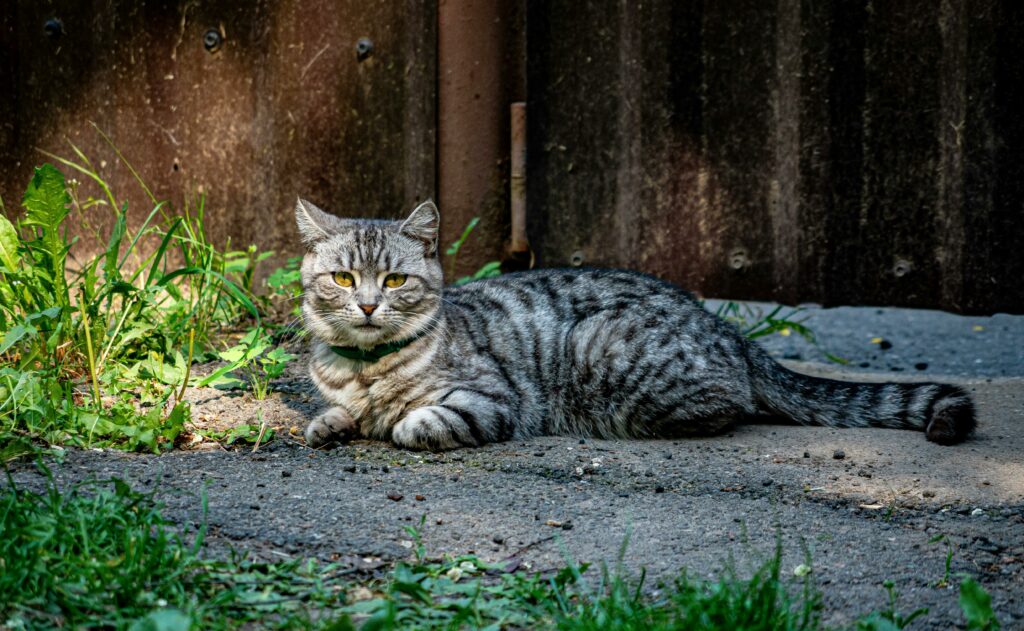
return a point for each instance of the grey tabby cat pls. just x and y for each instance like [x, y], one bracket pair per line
[601, 353]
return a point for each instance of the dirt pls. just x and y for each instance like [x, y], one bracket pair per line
[864, 504]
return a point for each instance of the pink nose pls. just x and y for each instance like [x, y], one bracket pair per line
[368, 309]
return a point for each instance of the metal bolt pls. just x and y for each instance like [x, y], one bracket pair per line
[53, 28]
[576, 259]
[364, 48]
[212, 40]
[738, 259]
[901, 268]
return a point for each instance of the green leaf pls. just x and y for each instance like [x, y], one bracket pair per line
[977, 606]
[454, 248]
[8, 245]
[46, 199]
[110, 265]
[163, 620]
[13, 336]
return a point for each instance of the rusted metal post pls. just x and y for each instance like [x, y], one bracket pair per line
[472, 133]
[517, 180]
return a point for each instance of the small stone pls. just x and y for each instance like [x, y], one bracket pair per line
[767, 482]
[286, 474]
[394, 496]
[807, 454]
[567, 525]
[838, 454]
[977, 512]
[927, 493]
[420, 498]
[921, 365]
[498, 539]
[659, 489]
[254, 507]
[885, 345]
[385, 469]
[538, 453]
[350, 468]
[583, 441]
[439, 521]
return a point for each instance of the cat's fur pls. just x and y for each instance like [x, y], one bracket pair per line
[600, 353]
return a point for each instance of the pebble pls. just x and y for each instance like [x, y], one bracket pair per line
[838, 454]
[659, 489]
[350, 468]
[807, 454]
[420, 498]
[395, 496]
[927, 493]
[286, 474]
[921, 365]
[498, 539]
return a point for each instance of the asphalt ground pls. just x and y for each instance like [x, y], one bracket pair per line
[700, 504]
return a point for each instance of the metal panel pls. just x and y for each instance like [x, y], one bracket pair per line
[837, 152]
[283, 107]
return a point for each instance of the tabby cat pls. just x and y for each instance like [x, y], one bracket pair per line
[602, 353]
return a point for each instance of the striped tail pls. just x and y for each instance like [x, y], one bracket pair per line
[945, 413]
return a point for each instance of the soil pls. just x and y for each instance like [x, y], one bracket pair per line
[864, 504]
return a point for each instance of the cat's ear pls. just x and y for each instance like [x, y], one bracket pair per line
[423, 225]
[314, 224]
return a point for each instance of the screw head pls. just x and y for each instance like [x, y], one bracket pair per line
[212, 40]
[364, 48]
[53, 28]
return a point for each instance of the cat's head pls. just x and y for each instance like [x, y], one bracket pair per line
[369, 282]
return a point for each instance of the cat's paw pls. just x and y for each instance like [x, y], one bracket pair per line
[335, 425]
[427, 428]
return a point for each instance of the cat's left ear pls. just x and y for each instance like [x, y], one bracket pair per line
[423, 225]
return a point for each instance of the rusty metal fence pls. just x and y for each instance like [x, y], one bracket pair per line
[829, 151]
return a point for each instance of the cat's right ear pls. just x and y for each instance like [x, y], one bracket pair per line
[314, 224]
[423, 225]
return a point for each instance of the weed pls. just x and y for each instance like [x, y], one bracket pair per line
[754, 324]
[977, 606]
[889, 618]
[488, 270]
[944, 581]
[101, 555]
[112, 330]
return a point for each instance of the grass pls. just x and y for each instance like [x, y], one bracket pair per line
[102, 555]
[98, 352]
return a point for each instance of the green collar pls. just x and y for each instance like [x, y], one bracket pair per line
[372, 355]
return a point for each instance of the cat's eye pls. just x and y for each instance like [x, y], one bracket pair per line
[344, 279]
[394, 280]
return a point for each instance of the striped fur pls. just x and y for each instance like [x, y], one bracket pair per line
[600, 353]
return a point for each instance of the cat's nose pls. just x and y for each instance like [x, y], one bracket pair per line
[368, 309]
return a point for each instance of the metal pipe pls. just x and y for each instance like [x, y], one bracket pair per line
[517, 180]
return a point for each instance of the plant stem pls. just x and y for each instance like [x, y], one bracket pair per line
[92, 357]
[188, 364]
[263, 430]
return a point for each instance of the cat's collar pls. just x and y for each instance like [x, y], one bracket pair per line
[374, 354]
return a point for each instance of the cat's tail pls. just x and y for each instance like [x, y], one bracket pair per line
[945, 413]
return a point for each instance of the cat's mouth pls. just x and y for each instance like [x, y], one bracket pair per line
[367, 326]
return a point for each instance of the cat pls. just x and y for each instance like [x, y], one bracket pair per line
[601, 353]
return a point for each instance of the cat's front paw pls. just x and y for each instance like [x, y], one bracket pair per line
[335, 425]
[433, 427]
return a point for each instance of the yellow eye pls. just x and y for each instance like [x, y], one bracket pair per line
[344, 279]
[394, 280]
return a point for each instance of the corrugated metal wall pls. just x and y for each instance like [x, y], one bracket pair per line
[829, 151]
[282, 107]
